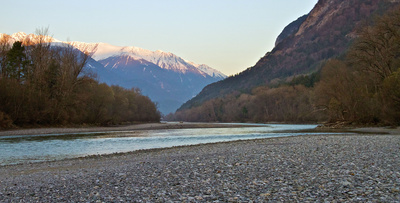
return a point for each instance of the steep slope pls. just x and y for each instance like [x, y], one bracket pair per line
[291, 29]
[326, 32]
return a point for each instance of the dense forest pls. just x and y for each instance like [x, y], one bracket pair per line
[46, 84]
[360, 87]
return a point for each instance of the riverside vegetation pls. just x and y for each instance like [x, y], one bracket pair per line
[360, 86]
[46, 84]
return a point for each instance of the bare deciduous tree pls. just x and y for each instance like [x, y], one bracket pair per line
[377, 50]
[5, 46]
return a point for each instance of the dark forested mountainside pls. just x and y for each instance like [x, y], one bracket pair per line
[327, 32]
[359, 85]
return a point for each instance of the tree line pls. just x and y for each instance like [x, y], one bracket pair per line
[44, 84]
[360, 87]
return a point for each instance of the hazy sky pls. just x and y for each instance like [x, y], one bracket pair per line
[229, 35]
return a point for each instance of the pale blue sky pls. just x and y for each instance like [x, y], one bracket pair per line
[229, 35]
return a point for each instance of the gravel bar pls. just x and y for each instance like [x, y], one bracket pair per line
[322, 168]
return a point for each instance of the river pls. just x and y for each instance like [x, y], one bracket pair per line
[49, 147]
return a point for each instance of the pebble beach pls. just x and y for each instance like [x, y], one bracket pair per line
[307, 168]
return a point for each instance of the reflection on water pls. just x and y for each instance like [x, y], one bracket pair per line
[33, 148]
[42, 138]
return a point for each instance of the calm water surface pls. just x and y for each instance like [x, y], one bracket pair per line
[35, 148]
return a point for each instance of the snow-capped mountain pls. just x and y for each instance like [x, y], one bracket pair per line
[208, 70]
[23, 37]
[165, 77]
[168, 88]
[165, 60]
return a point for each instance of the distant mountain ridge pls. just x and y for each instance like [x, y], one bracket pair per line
[304, 45]
[165, 77]
[165, 60]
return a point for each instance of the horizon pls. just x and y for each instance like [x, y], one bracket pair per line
[229, 36]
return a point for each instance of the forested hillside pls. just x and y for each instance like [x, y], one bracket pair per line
[45, 84]
[352, 78]
[327, 32]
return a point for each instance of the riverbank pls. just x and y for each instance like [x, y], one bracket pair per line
[303, 168]
[146, 126]
[178, 125]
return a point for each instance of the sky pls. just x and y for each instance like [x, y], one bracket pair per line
[228, 35]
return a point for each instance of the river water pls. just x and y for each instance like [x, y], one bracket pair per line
[36, 148]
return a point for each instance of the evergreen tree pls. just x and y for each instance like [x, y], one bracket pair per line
[17, 63]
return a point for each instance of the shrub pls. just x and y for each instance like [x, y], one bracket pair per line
[5, 121]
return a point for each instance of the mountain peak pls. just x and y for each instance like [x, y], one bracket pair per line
[165, 60]
[29, 38]
[19, 35]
